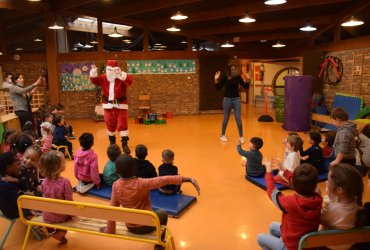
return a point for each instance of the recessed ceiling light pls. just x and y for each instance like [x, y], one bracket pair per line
[274, 2]
[227, 45]
[55, 26]
[352, 22]
[37, 40]
[183, 41]
[179, 16]
[307, 28]
[278, 45]
[247, 19]
[115, 33]
[173, 28]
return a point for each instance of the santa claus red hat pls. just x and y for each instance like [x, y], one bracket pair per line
[112, 63]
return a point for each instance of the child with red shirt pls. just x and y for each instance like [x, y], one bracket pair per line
[132, 192]
[301, 211]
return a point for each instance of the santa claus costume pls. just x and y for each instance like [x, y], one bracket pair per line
[114, 88]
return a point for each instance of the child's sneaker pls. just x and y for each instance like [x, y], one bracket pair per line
[223, 138]
[241, 140]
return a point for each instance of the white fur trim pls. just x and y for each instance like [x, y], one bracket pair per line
[123, 76]
[93, 73]
[111, 90]
[117, 106]
[111, 133]
[123, 133]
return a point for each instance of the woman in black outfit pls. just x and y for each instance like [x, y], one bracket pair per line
[231, 98]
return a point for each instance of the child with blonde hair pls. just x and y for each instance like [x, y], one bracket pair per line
[344, 190]
[291, 161]
[56, 187]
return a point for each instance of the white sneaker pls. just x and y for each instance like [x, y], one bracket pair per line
[223, 138]
[241, 140]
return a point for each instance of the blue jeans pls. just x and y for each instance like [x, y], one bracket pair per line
[272, 241]
[229, 104]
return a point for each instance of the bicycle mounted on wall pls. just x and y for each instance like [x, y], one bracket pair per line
[331, 70]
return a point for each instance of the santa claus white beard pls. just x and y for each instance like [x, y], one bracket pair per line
[111, 75]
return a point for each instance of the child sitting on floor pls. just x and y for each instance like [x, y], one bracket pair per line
[300, 211]
[327, 141]
[254, 167]
[60, 134]
[110, 173]
[86, 165]
[144, 168]
[9, 168]
[291, 161]
[9, 137]
[344, 189]
[132, 192]
[167, 168]
[313, 155]
[56, 187]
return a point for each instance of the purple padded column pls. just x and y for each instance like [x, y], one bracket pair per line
[298, 91]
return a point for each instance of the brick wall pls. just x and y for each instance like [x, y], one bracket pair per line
[177, 93]
[357, 83]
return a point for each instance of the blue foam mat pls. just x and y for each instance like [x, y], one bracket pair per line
[261, 182]
[174, 204]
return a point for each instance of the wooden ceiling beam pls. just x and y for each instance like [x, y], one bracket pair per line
[69, 4]
[261, 26]
[142, 7]
[21, 20]
[343, 15]
[240, 10]
[27, 35]
[277, 36]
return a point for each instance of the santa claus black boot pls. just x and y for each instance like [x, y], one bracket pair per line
[125, 147]
[112, 139]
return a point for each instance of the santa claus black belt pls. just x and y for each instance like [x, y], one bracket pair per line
[114, 101]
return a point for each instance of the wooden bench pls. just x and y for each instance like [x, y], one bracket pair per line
[327, 119]
[92, 217]
[334, 238]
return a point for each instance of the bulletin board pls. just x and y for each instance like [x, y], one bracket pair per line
[161, 66]
[75, 76]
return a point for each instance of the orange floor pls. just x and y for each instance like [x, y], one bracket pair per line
[230, 211]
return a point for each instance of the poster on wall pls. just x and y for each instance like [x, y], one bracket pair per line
[161, 66]
[75, 76]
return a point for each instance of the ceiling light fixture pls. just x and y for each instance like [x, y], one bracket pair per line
[308, 27]
[227, 45]
[1, 53]
[278, 45]
[88, 46]
[94, 42]
[247, 19]
[37, 40]
[126, 41]
[183, 41]
[74, 49]
[179, 16]
[274, 2]
[115, 33]
[352, 22]
[55, 26]
[19, 49]
[173, 29]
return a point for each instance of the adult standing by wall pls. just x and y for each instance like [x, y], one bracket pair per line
[7, 81]
[231, 98]
[21, 98]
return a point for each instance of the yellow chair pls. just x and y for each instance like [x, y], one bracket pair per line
[63, 149]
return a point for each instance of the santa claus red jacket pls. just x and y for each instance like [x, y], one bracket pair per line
[114, 91]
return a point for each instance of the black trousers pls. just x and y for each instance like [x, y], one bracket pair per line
[24, 116]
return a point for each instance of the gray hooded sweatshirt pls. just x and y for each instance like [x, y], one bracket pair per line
[345, 141]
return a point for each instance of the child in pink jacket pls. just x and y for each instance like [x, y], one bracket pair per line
[86, 165]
